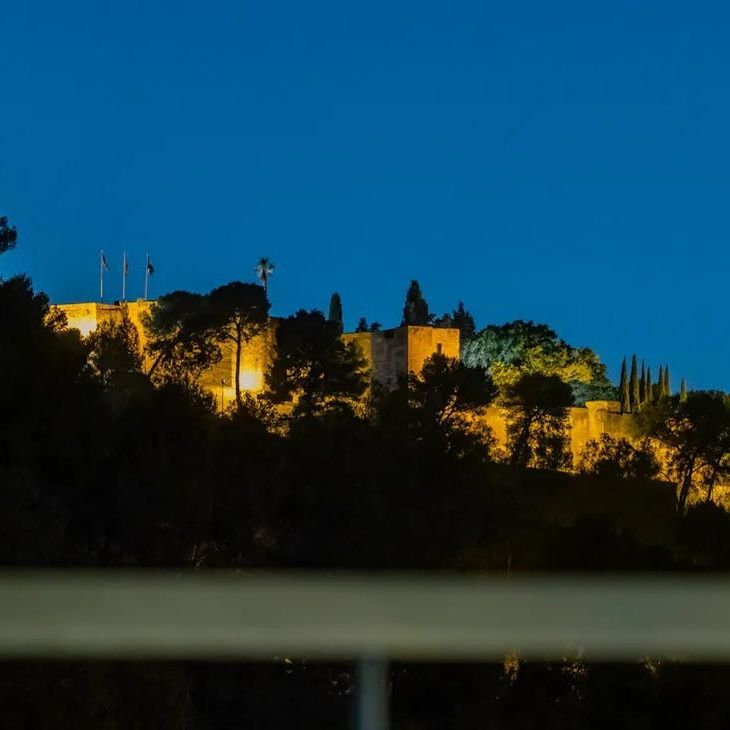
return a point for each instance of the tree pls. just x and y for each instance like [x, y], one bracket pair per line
[446, 389]
[642, 383]
[696, 433]
[624, 389]
[617, 458]
[313, 365]
[634, 385]
[376, 327]
[335, 313]
[415, 310]
[516, 348]
[667, 384]
[538, 409]
[115, 355]
[51, 430]
[462, 319]
[238, 312]
[682, 391]
[181, 339]
[459, 319]
[649, 388]
[660, 384]
[362, 325]
[264, 270]
[8, 235]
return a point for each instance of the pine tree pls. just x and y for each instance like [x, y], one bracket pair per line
[415, 310]
[362, 325]
[335, 314]
[634, 385]
[624, 389]
[682, 391]
[649, 387]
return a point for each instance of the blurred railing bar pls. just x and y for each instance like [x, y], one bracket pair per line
[371, 619]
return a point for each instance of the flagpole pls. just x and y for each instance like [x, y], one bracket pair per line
[101, 275]
[146, 276]
[124, 276]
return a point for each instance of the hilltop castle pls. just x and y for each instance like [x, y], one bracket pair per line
[390, 354]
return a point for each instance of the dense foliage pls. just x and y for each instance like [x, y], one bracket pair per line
[517, 348]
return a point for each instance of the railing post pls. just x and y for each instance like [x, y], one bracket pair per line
[373, 690]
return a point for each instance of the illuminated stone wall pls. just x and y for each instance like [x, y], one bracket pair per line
[395, 352]
[589, 422]
[257, 354]
[87, 316]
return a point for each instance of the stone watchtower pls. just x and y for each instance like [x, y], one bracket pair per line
[394, 353]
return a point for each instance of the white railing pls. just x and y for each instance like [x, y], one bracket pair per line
[369, 619]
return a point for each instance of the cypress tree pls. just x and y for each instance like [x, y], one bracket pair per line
[335, 314]
[634, 385]
[667, 386]
[660, 384]
[624, 389]
[642, 384]
[649, 387]
[415, 310]
[682, 391]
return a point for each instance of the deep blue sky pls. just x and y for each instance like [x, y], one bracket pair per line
[559, 161]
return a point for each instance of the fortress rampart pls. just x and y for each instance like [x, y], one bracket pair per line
[390, 354]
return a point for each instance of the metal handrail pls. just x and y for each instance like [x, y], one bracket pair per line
[368, 618]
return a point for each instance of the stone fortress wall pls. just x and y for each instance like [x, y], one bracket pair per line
[390, 354]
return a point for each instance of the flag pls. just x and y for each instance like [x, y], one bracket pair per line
[104, 264]
[150, 268]
[126, 267]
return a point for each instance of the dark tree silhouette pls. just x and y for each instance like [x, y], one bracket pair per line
[335, 313]
[238, 312]
[415, 310]
[8, 235]
[660, 384]
[446, 388]
[697, 434]
[313, 365]
[181, 339]
[462, 319]
[634, 385]
[264, 271]
[617, 458]
[115, 356]
[624, 389]
[537, 420]
[642, 383]
[649, 387]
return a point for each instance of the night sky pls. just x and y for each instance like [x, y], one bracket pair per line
[558, 161]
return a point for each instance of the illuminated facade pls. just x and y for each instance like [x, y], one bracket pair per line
[390, 354]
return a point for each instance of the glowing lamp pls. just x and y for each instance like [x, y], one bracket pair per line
[251, 380]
